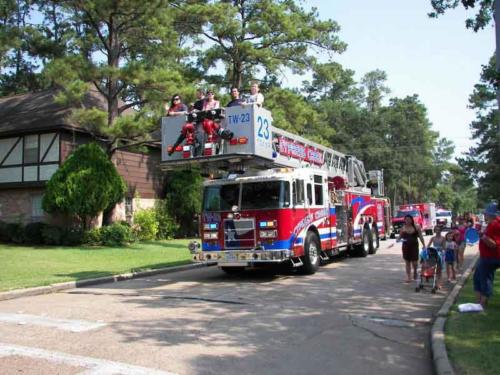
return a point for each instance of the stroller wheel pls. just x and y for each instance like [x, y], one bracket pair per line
[417, 289]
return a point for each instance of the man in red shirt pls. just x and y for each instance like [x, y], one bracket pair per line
[489, 255]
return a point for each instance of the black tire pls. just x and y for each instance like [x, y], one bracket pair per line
[311, 258]
[233, 270]
[375, 241]
[363, 249]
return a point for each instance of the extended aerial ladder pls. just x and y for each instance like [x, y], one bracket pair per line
[256, 144]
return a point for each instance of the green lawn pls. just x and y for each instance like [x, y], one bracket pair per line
[28, 266]
[473, 339]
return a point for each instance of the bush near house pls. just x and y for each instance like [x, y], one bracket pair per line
[146, 224]
[86, 184]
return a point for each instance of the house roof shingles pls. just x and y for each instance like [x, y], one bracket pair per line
[34, 112]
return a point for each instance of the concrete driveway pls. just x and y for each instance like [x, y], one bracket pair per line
[355, 316]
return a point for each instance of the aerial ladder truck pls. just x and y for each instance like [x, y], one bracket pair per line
[272, 196]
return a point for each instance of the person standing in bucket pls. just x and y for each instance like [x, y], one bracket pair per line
[489, 255]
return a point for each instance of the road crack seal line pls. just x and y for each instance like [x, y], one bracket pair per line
[378, 335]
[206, 300]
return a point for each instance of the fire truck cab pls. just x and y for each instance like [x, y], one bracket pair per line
[276, 197]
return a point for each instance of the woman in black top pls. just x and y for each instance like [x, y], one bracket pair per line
[409, 234]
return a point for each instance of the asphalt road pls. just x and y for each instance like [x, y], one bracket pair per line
[355, 316]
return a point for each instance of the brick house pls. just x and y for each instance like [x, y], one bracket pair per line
[36, 136]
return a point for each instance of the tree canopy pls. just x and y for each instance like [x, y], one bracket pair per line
[136, 54]
[483, 16]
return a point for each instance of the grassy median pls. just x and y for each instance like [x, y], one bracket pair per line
[473, 339]
[29, 266]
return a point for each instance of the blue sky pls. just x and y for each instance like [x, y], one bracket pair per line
[438, 59]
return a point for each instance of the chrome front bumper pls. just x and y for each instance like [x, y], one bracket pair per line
[242, 257]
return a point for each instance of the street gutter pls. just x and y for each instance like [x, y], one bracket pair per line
[54, 288]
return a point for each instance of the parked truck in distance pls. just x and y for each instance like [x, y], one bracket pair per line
[424, 214]
[444, 218]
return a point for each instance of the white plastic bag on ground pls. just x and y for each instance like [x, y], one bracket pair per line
[470, 307]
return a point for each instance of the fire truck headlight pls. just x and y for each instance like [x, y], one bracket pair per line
[193, 247]
[267, 224]
[268, 233]
[210, 226]
[210, 235]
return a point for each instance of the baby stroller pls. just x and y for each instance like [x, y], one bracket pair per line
[431, 264]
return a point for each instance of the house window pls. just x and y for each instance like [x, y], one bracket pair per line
[31, 149]
[36, 206]
[129, 206]
[29, 158]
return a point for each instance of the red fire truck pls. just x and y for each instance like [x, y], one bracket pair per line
[424, 214]
[276, 197]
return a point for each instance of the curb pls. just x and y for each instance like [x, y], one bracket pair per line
[440, 359]
[54, 288]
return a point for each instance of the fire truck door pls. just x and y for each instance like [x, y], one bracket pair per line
[342, 230]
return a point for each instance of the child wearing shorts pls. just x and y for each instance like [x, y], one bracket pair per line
[449, 256]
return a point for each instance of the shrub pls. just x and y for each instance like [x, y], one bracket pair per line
[52, 235]
[146, 224]
[33, 233]
[167, 227]
[72, 237]
[4, 234]
[86, 183]
[116, 234]
[15, 232]
[93, 237]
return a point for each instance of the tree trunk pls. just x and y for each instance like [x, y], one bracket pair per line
[113, 62]
[237, 74]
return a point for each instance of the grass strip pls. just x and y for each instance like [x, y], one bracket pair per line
[473, 339]
[30, 266]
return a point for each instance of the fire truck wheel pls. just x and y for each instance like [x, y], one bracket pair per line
[233, 270]
[311, 257]
[364, 248]
[375, 243]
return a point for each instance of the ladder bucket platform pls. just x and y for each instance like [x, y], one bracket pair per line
[253, 143]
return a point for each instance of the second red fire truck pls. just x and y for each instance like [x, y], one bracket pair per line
[276, 197]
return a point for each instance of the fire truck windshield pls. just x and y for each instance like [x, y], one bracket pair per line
[269, 194]
[221, 198]
[254, 195]
[404, 213]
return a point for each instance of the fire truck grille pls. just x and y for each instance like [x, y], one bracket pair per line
[239, 234]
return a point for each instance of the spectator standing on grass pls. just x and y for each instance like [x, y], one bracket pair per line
[489, 255]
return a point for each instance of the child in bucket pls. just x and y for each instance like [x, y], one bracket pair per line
[449, 256]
